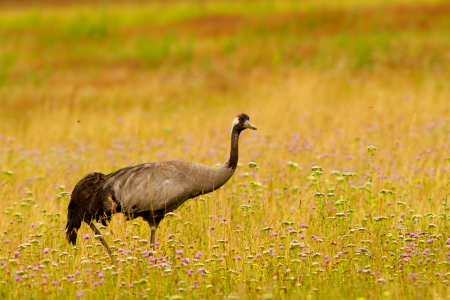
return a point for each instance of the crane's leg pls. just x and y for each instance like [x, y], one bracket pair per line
[101, 238]
[153, 222]
[152, 237]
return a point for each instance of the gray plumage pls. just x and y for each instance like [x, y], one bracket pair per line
[148, 190]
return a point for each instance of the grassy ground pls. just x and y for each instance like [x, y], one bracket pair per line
[88, 87]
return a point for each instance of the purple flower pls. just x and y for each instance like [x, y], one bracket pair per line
[80, 293]
[198, 254]
[392, 215]
[32, 225]
[16, 253]
[326, 257]
[17, 278]
[238, 257]
[46, 250]
[86, 237]
[101, 274]
[54, 282]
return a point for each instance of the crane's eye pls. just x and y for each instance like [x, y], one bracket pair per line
[240, 120]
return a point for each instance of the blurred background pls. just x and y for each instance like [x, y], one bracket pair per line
[93, 71]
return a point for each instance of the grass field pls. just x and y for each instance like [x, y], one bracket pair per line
[96, 87]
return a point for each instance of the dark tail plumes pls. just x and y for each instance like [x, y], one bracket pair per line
[90, 200]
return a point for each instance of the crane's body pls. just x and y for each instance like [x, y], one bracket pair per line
[163, 185]
[149, 190]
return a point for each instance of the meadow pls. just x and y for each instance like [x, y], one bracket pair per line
[341, 193]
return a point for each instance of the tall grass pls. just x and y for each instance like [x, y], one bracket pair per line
[95, 88]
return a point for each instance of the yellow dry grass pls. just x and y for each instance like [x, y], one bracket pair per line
[89, 102]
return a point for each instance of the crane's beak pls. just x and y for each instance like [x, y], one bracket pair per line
[249, 125]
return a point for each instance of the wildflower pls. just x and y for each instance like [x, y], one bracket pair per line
[253, 165]
[46, 250]
[80, 293]
[86, 237]
[101, 274]
[198, 254]
[17, 278]
[238, 257]
[316, 168]
[186, 261]
[54, 282]
[392, 215]
[32, 225]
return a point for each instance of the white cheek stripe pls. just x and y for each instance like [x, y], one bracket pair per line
[235, 121]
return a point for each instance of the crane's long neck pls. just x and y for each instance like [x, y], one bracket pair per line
[212, 178]
[234, 150]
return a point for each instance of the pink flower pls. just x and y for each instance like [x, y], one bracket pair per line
[86, 236]
[198, 254]
[17, 278]
[46, 250]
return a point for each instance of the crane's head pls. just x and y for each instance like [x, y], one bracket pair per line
[242, 122]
